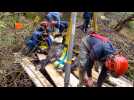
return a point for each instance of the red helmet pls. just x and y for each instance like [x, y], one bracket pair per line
[118, 64]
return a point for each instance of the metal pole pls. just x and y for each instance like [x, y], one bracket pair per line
[70, 49]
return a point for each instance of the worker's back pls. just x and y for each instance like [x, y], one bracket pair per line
[99, 47]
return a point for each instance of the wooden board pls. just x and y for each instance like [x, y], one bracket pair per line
[40, 81]
[35, 75]
[73, 80]
[58, 78]
[94, 74]
[121, 82]
[41, 56]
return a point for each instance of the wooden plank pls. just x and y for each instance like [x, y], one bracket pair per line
[41, 56]
[32, 76]
[94, 74]
[73, 80]
[35, 75]
[121, 82]
[56, 77]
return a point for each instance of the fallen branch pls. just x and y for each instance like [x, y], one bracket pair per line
[119, 26]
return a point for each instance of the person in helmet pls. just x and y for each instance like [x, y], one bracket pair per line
[40, 34]
[34, 39]
[54, 16]
[95, 47]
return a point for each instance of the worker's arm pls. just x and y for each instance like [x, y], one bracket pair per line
[102, 76]
[89, 67]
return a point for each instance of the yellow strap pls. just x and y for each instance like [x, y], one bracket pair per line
[64, 53]
[43, 45]
[69, 62]
[67, 39]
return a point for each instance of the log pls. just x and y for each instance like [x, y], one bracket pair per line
[35, 75]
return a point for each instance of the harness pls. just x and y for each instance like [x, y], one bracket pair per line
[61, 61]
[98, 36]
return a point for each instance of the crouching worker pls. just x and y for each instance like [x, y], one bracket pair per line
[95, 47]
[40, 38]
[33, 41]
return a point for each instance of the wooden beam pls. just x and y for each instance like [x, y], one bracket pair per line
[121, 82]
[35, 75]
[94, 74]
[58, 78]
[40, 81]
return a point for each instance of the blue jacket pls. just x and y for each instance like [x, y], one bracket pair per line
[99, 48]
[53, 15]
[35, 39]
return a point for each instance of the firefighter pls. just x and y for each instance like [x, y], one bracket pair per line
[41, 37]
[95, 47]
